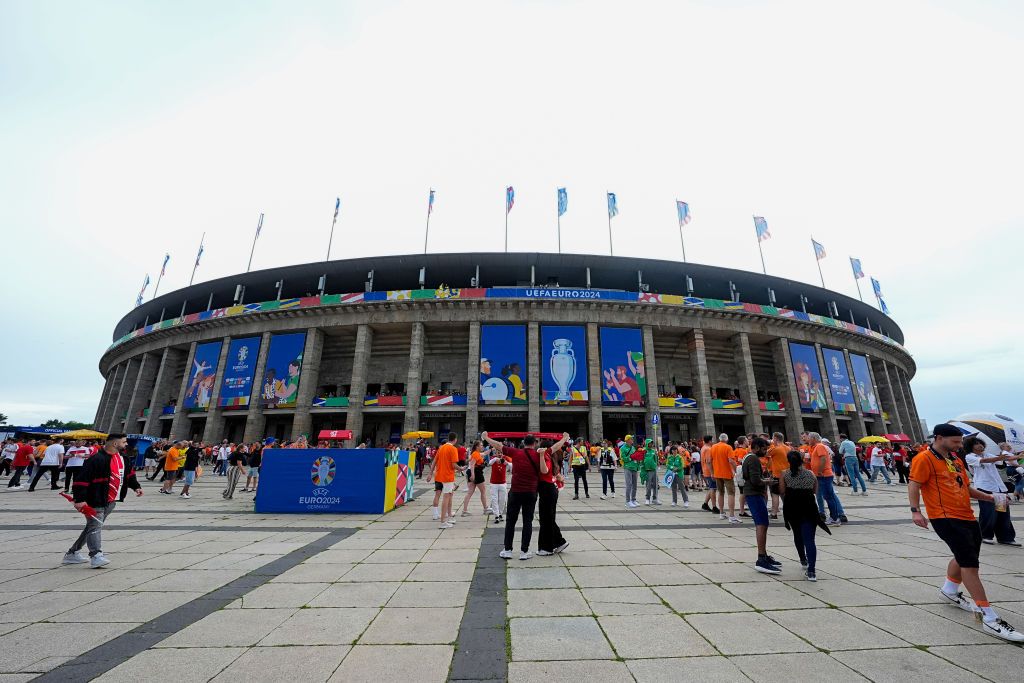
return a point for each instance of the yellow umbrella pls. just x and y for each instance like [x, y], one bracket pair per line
[81, 434]
[418, 435]
[873, 439]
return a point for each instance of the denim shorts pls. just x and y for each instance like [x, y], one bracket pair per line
[758, 507]
[190, 477]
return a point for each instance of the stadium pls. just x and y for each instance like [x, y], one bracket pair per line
[598, 346]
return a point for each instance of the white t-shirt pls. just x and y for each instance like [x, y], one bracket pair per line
[695, 456]
[77, 456]
[52, 455]
[9, 451]
[877, 459]
[223, 452]
[986, 474]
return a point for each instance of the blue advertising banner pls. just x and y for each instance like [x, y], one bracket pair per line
[622, 367]
[563, 364]
[201, 376]
[503, 364]
[284, 366]
[839, 380]
[865, 387]
[322, 480]
[239, 367]
[808, 378]
[560, 293]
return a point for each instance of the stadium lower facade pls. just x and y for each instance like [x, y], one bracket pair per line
[597, 346]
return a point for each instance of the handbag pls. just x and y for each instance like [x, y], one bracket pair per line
[670, 476]
[738, 478]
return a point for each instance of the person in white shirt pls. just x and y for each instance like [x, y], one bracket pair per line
[74, 458]
[878, 465]
[52, 458]
[995, 525]
[10, 448]
[223, 451]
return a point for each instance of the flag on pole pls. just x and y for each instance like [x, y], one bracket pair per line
[858, 272]
[510, 199]
[563, 201]
[200, 254]
[163, 268]
[875, 285]
[430, 203]
[337, 207]
[683, 210]
[613, 205]
[819, 249]
[145, 284]
[259, 224]
[761, 228]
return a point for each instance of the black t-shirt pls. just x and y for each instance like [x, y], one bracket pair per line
[191, 458]
[255, 458]
[237, 457]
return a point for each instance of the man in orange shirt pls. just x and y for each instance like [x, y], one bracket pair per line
[821, 466]
[778, 463]
[725, 468]
[708, 472]
[940, 476]
[446, 462]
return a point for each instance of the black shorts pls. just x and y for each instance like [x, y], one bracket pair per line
[962, 537]
[438, 486]
[774, 488]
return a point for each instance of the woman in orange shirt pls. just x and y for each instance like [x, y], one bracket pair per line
[476, 480]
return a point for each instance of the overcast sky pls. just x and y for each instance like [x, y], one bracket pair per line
[891, 131]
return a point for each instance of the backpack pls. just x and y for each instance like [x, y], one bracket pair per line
[739, 479]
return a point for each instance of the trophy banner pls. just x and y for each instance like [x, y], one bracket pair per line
[563, 364]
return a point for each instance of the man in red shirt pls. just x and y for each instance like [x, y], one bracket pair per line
[22, 459]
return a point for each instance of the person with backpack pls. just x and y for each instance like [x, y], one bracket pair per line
[580, 463]
[649, 472]
[606, 464]
[675, 465]
[631, 467]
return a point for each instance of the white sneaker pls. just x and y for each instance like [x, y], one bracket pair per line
[673, 504]
[98, 560]
[735, 520]
[863, 493]
[647, 501]
[185, 495]
[525, 556]
[562, 547]
[1000, 629]
[542, 553]
[436, 517]
[686, 503]
[466, 513]
[988, 541]
[73, 558]
[446, 525]
[613, 495]
[834, 522]
[505, 554]
[656, 502]
[723, 516]
[602, 497]
[959, 600]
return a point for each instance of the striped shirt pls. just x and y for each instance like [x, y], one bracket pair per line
[116, 475]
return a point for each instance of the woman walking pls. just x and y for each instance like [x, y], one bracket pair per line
[549, 537]
[675, 465]
[799, 487]
[606, 465]
[580, 465]
[476, 480]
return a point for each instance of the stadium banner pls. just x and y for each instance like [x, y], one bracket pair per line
[349, 480]
[503, 365]
[808, 378]
[560, 293]
[622, 367]
[676, 402]
[284, 366]
[563, 365]
[865, 388]
[839, 380]
[201, 376]
[239, 367]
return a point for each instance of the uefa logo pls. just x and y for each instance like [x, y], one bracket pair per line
[322, 473]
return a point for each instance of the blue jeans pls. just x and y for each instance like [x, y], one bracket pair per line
[803, 539]
[827, 493]
[875, 469]
[853, 471]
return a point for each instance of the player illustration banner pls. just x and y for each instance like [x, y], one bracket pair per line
[201, 376]
[622, 367]
[808, 378]
[236, 387]
[503, 364]
[839, 380]
[865, 388]
[284, 365]
[563, 364]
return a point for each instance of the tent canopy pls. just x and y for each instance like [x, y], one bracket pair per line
[81, 434]
[898, 438]
[418, 435]
[334, 435]
[873, 439]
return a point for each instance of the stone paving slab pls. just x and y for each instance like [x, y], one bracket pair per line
[907, 665]
[671, 670]
[376, 663]
[590, 671]
[557, 638]
[660, 636]
[272, 664]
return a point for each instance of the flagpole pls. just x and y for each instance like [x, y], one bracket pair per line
[611, 248]
[818, 261]
[760, 250]
[506, 221]
[253, 250]
[426, 234]
[196, 264]
[158, 279]
[329, 239]
[856, 281]
[682, 243]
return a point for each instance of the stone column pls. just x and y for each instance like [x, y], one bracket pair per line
[360, 363]
[651, 373]
[748, 385]
[143, 391]
[702, 382]
[107, 384]
[162, 388]
[858, 429]
[124, 395]
[912, 404]
[414, 381]
[255, 419]
[309, 380]
[888, 396]
[787, 386]
[213, 432]
[107, 409]
[533, 377]
[903, 389]
[830, 409]
[473, 382]
[594, 414]
[180, 425]
[878, 427]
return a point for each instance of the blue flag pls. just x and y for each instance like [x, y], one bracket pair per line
[875, 285]
[163, 268]
[683, 210]
[259, 225]
[613, 205]
[761, 228]
[430, 203]
[819, 249]
[200, 254]
[337, 207]
[563, 201]
[510, 199]
[858, 272]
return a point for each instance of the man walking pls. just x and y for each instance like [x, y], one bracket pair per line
[99, 485]
[725, 469]
[778, 461]
[189, 469]
[175, 458]
[821, 466]
[223, 451]
[708, 468]
[523, 494]
[940, 477]
[995, 524]
[848, 450]
[52, 457]
[22, 459]
[755, 490]
[878, 465]
[631, 468]
[76, 456]
[446, 463]
[236, 468]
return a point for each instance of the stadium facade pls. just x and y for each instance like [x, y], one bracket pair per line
[597, 346]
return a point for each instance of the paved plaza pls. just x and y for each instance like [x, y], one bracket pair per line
[204, 589]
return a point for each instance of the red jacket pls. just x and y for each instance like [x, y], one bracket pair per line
[23, 456]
